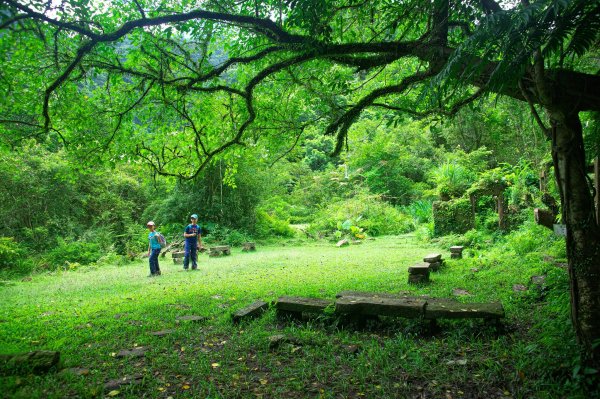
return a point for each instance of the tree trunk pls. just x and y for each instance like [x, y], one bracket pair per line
[583, 233]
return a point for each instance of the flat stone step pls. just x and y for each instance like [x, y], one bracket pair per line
[456, 248]
[191, 318]
[302, 304]
[253, 310]
[419, 268]
[450, 310]
[403, 307]
[432, 258]
[401, 295]
[162, 333]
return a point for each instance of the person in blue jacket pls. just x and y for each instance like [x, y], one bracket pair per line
[193, 240]
[153, 250]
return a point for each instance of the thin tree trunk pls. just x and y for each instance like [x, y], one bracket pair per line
[583, 233]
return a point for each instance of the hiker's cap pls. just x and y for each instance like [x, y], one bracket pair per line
[150, 223]
[194, 216]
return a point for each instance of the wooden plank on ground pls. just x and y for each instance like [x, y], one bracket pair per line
[302, 304]
[492, 310]
[252, 310]
[403, 307]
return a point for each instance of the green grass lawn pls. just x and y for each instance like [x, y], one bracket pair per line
[90, 314]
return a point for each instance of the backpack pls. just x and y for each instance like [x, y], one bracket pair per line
[161, 239]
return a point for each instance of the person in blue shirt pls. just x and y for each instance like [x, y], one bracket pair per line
[153, 250]
[193, 240]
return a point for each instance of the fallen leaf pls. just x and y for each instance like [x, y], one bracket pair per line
[113, 393]
[186, 387]
[264, 382]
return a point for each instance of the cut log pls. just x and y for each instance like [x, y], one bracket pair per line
[451, 310]
[253, 310]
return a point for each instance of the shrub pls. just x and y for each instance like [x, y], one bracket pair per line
[10, 253]
[529, 238]
[455, 216]
[268, 225]
[81, 252]
[218, 234]
[370, 213]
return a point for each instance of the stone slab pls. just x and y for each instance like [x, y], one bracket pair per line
[419, 268]
[253, 310]
[456, 248]
[418, 278]
[162, 333]
[135, 352]
[403, 307]
[432, 258]
[492, 310]
[302, 304]
[192, 318]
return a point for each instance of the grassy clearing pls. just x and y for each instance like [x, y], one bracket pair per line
[90, 314]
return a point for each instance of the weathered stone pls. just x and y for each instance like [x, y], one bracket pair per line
[249, 246]
[302, 304]
[432, 258]
[371, 294]
[538, 280]
[255, 309]
[420, 268]
[135, 352]
[403, 307]
[162, 333]
[36, 362]
[435, 266]
[342, 243]
[178, 261]
[492, 310]
[119, 382]
[276, 340]
[418, 278]
[519, 288]
[460, 292]
[356, 242]
[456, 255]
[192, 318]
[456, 249]
[225, 249]
[179, 254]
[75, 371]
